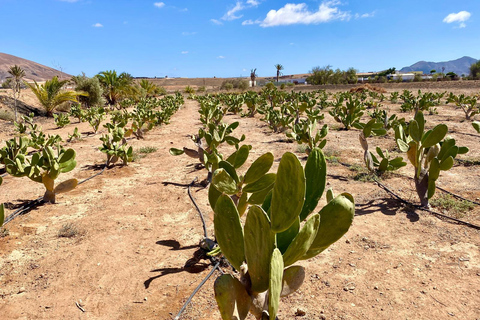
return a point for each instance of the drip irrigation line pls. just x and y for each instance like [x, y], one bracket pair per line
[423, 208]
[39, 201]
[426, 209]
[205, 233]
[439, 188]
[196, 290]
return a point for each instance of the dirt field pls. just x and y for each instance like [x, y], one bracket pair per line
[136, 254]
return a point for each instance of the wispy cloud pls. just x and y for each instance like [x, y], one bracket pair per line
[460, 18]
[231, 14]
[97, 25]
[365, 15]
[299, 14]
[184, 52]
[188, 33]
[220, 57]
[159, 4]
[217, 22]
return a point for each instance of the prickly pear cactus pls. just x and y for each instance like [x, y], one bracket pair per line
[429, 152]
[274, 236]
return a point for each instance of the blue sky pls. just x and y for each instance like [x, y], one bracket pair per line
[227, 38]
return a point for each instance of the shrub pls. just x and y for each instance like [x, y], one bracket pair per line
[92, 87]
[189, 90]
[230, 84]
[475, 70]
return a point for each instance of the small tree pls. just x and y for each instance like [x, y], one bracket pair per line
[279, 68]
[50, 94]
[92, 87]
[253, 76]
[475, 70]
[433, 71]
[17, 74]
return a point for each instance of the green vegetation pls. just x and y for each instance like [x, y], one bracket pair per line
[50, 94]
[92, 87]
[15, 83]
[265, 248]
[455, 206]
[115, 87]
[326, 75]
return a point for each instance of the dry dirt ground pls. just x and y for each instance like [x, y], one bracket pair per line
[136, 256]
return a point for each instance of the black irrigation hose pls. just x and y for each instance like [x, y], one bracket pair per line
[205, 233]
[196, 290]
[37, 202]
[439, 188]
[423, 208]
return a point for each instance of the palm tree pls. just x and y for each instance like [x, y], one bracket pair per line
[114, 86]
[279, 68]
[253, 76]
[17, 74]
[50, 94]
[148, 88]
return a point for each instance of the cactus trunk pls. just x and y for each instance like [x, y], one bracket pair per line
[421, 185]
[49, 196]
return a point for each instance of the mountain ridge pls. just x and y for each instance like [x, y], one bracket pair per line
[459, 66]
[33, 70]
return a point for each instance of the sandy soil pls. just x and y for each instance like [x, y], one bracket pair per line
[136, 253]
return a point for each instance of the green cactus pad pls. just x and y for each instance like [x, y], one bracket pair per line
[259, 168]
[242, 155]
[229, 169]
[293, 278]
[288, 193]
[330, 195]
[232, 298]
[275, 283]
[285, 238]
[258, 197]
[2, 214]
[259, 245]
[315, 175]
[436, 135]
[224, 182]
[263, 183]
[302, 242]
[229, 231]
[335, 220]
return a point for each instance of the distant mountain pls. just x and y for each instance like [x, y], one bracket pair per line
[459, 66]
[33, 70]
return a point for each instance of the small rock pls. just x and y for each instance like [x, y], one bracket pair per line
[300, 312]
[322, 317]
[22, 290]
[347, 241]
[145, 299]
[376, 287]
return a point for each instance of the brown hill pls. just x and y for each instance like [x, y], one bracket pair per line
[33, 70]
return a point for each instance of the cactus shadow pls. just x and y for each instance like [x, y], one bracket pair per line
[387, 206]
[94, 167]
[174, 245]
[192, 265]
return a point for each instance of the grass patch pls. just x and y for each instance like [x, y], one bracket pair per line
[302, 148]
[142, 153]
[69, 230]
[147, 150]
[6, 115]
[331, 156]
[458, 208]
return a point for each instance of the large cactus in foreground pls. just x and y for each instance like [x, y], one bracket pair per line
[429, 152]
[265, 249]
[45, 167]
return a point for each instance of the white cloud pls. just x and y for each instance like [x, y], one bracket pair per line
[217, 22]
[97, 25]
[248, 22]
[220, 57]
[159, 4]
[253, 3]
[184, 52]
[230, 15]
[460, 18]
[365, 15]
[299, 14]
[188, 33]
